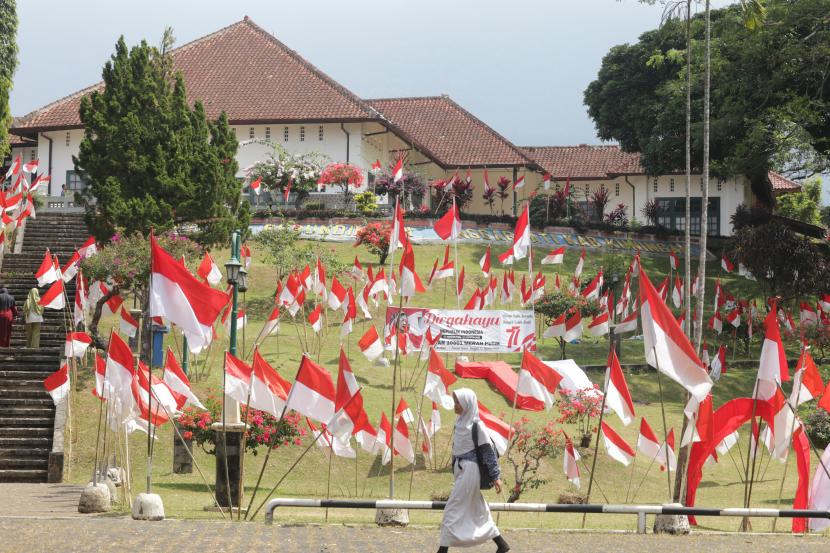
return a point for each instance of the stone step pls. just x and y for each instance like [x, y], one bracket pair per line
[17, 441]
[20, 383]
[8, 452]
[23, 475]
[18, 463]
[46, 401]
[24, 393]
[23, 375]
[25, 432]
[26, 410]
[9, 422]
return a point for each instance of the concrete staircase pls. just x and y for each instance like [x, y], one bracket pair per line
[27, 414]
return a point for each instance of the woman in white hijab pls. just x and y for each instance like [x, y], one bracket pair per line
[467, 520]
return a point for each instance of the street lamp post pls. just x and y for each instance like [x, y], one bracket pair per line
[230, 431]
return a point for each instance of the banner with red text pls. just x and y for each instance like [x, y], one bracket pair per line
[462, 331]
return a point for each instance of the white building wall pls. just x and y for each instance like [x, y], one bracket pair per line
[65, 144]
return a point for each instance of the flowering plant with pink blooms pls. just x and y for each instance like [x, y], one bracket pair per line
[263, 428]
[529, 445]
[344, 175]
[580, 408]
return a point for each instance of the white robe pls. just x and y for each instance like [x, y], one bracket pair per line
[467, 520]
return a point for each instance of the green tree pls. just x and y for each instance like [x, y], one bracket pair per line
[8, 63]
[804, 205]
[150, 159]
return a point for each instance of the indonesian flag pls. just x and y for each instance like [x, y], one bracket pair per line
[241, 320]
[175, 378]
[269, 390]
[237, 378]
[599, 325]
[570, 462]
[69, 270]
[376, 166]
[663, 289]
[824, 302]
[404, 412]
[497, 430]
[666, 346]
[718, 364]
[591, 292]
[521, 236]
[702, 413]
[272, 325]
[557, 329]
[81, 284]
[716, 323]
[459, 288]
[446, 271]
[398, 237]
[773, 364]
[726, 265]
[128, 324]
[209, 271]
[350, 418]
[666, 455]
[673, 261]
[119, 372]
[410, 282]
[245, 255]
[616, 447]
[312, 394]
[178, 296]
[617, 397]
[351, 314]
[370, 344]
[315, 319]
[46, 273]
[520, 183]
[54, 297]
[484, 263]
[318, 284]
[378, 284]
[537, 380]
[807, 384]
[156, 403]
[507, 286]
[100, 377]
[401, 443]
[649, 445]
[112, 305]
[677, 292]
[14, 168]
[337, 294]
[580, 264]
[57, 384]
[30, 167]
[256, 185]
[76, 344]
[629, 324]
[438, 381]
[286, 193]
[449, 226]
[292, 295]
[573, 327]
[808, 315]
[397, 171]
[363, 301]
[546, 181]
[88, 249]
[305, 278]
[357, 270]
[555, 257]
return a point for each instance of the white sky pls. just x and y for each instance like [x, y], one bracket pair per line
[519, 65]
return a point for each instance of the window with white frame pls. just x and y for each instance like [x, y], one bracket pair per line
[654, 184]
[302, 134]
[671, 185]
[267, 133]
[75, 181]
[68, 138]
[720, 185]
[616, 189]
[320, 133]
[251, 133]
[285, 134]
[587, 189]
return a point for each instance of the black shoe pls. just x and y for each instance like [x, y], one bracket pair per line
[503, 546]
[443, 549]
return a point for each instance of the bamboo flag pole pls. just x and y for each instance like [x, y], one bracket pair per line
[750, 456]
[417, 435]
[596, 446]
[663, 414]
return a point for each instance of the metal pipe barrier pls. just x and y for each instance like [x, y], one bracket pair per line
[640, 510]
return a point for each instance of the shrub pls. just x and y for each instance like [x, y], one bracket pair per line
[598, 200]
[818, 427]
[528, 446]
[617, 217]
[502, 186]
[651, 211]
[303, 171]
[344, 175]
[579, 408]
[375, 236]
[749, 216]
[412, 185]
[284, 250]
[367, 203]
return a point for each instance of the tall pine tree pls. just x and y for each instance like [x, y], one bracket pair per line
[151, 161]
[8, 63]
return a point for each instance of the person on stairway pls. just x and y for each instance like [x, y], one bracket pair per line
[8, 311]
[467, 520]
[33, 313]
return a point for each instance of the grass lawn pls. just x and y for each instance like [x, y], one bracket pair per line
[185, 495]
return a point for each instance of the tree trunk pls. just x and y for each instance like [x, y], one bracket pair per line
[98, 340]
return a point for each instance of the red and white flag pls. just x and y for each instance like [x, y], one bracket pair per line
[445, 271]
[521, 239]
[459, 288]
[397, 171]
[571, 466]
[155, 401]
[520, 183]
[119, 374]
[370, 344]
[30, 167]
[128, 324]
[716, 322]
[57, 384]
[824, 302]
[256, 186]
[726, 265]
[401, 443]
[245, 255]
[398, 237]
[580, 265]
[537, 380]
[448, 227]
[292, 295]
[807, 315]
[14, 168]
[351, 314]
[318, 280]
[88, 248]
[315, 319]
[653, 448]
[599, 325]
[677, 292]
[69, 270]
[438, 381]
[272, 325]
[591, 292]
[773, 364]
[76, 344]
[666, 346]
[617, 396]
[616, 447]
[404, 412]
[237, 378]
[734, 317]
[702, 414]
[673, 261]
[410, 281]
[555, 257]
[312, 394]
[497, 430]
[557, 329]
[376, 166]
[54, 298]
[350, 418]
[357, 270]
[178, 296]
[337, 294]
[484, 263]
[573, 327]
[717, 367]
[269, 390]
[175, 378]
[807, 384]
[286, 193]
[629, 324]
[546, 181]
[209, 270]
[46, 273]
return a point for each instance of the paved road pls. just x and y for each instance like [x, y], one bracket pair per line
[120, 534]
